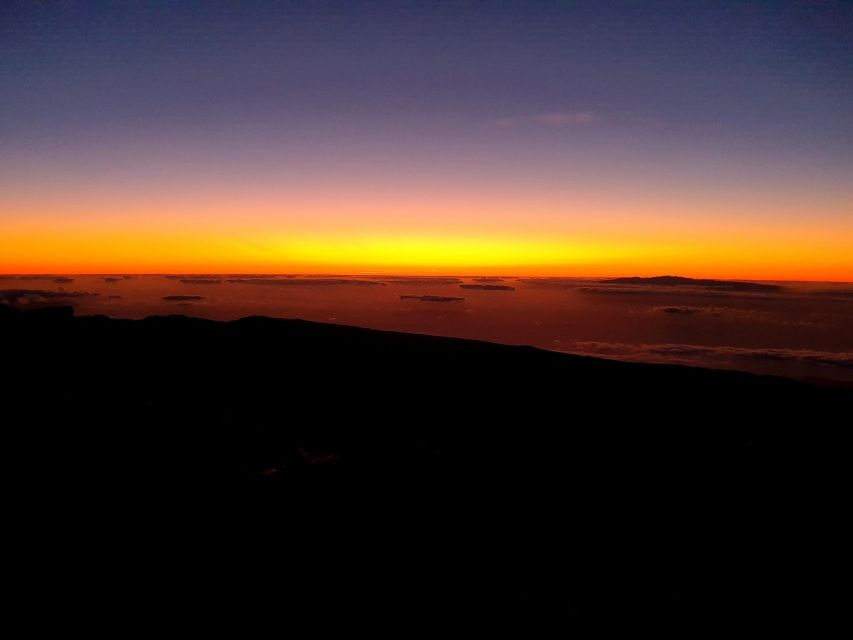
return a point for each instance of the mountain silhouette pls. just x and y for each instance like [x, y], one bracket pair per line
[679, 281]
[317, 466]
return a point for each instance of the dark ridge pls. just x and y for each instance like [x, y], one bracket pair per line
[678, 281]
[306, 466]
[688, 311]
[433, 298]
[551, 282]
[256, 276]
[488, 279]
[182, 298]
[62, 280]
[418, 280]
[628, 291]
[199, 281]
[113, 279]
[306, 282]
[488, 287]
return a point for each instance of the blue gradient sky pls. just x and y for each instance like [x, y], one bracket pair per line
[736, 116]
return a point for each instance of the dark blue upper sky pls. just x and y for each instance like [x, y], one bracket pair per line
[755, 68]
[721, 96]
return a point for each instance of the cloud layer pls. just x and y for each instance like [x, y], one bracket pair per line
[306, 282]
[706, 354]
[28, 296]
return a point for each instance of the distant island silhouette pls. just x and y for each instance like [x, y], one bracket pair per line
[678, 281]
[488, 287]
[182, 298]
[295, 282]
[432, 298]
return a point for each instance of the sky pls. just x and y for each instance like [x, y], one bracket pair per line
[706, 139]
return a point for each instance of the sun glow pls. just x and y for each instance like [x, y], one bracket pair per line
[106, 249]
[576, 235]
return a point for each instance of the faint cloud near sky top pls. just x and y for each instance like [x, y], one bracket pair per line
[553, 119]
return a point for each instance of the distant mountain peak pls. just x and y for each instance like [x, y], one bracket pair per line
[681, 281]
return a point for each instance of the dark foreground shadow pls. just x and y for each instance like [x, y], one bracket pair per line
[294, 466]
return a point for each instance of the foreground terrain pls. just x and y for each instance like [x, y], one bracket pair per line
[284, 462]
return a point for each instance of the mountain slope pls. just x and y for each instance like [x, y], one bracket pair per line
[448, 471]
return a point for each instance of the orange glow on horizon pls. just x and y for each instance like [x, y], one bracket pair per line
[110, 251]
[512, 237]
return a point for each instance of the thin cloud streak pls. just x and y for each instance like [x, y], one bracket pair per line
[553, 119]
[566, 118]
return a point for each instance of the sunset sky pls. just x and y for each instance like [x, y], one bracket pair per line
[537, 138]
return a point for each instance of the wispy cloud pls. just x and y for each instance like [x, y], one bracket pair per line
[553, 119]
[566, 118]
[27, 296]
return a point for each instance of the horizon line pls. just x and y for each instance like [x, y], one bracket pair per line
[376, 274]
